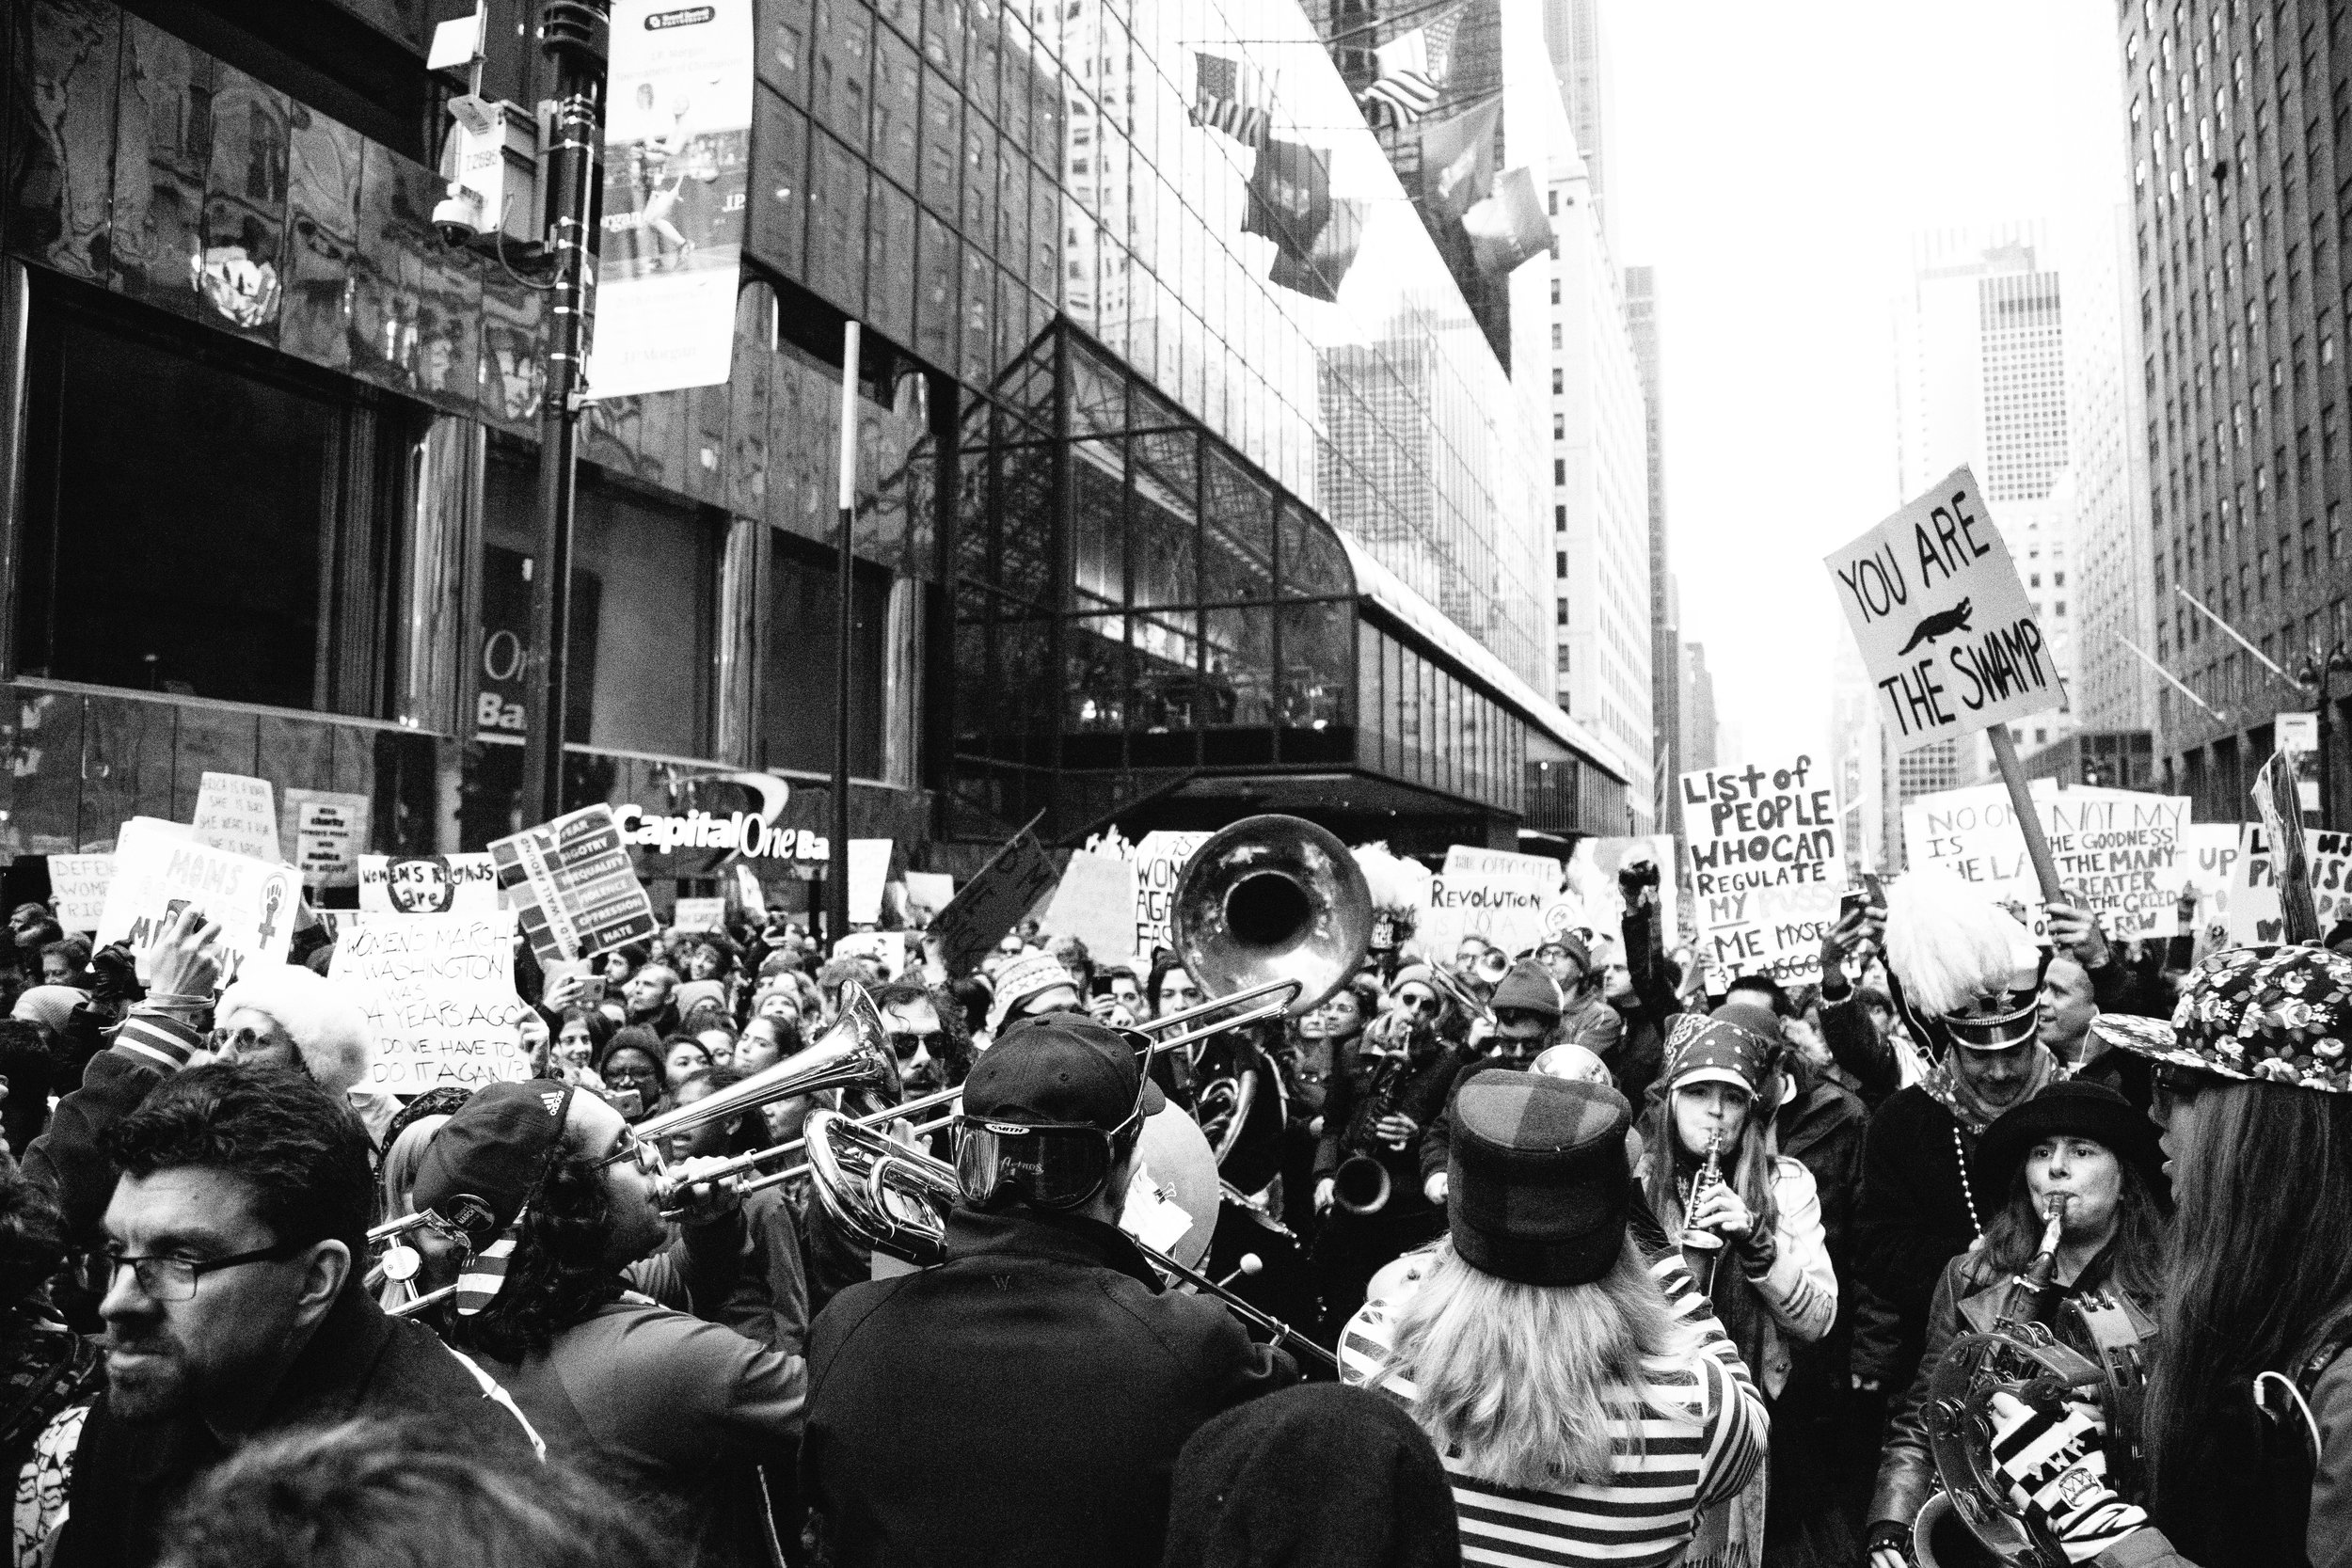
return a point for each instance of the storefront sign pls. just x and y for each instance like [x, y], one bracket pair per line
[158, 873]
[77, 884]
[239, 815]
[1768, 863]
[327, 831]
[439, 991]
[576, 887]
[428, 884]
[677, 137]
[2117, 851]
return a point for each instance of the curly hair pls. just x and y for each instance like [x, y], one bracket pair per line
[558, 1274]
[300, 1151]
[32, 1237]
[954, 1021]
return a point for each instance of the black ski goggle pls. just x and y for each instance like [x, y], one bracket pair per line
[1052, 1164]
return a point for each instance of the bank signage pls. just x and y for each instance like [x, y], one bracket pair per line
[749, 834]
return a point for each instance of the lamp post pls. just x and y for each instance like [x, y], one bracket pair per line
[2312, 676]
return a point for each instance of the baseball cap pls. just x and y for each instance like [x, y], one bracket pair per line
[480, 1168]
[1061, 1069]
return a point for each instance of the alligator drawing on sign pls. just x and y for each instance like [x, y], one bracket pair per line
[1937, 625]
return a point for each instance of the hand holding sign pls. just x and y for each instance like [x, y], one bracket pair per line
[185, 962]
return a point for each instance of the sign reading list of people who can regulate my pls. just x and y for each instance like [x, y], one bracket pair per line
[2117, 851]
[439, 991]
[1767, 865]
[1941, 621]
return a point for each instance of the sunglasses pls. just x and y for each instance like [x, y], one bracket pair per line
[1422, 1003]
[2176, 1086]
[905, 1045]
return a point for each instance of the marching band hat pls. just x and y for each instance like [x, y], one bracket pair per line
[1538, 1181]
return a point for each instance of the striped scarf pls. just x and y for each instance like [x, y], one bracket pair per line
[484, 1274]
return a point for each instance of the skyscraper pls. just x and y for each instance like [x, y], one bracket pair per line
[1666, 665]
[1580, 59]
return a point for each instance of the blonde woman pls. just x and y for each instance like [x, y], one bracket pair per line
[1581, 1400]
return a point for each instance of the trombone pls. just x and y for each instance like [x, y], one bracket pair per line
[895, 1201]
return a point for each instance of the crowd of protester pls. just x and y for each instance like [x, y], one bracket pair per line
[1621, 1259]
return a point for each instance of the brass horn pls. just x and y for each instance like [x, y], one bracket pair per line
[1270, 903]
[852, 1055]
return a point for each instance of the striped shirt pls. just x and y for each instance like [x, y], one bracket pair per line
[1704, 1432]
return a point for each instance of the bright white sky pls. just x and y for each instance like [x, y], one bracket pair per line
[1772, 162]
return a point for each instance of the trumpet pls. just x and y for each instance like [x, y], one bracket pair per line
[895, 1201]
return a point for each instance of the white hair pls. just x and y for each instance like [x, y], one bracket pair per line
[1946, 942]
[329, 1029]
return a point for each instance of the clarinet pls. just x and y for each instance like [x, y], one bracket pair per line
[2029, 1293]
[1702, 1250]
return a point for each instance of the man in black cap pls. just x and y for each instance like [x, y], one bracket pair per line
[1024, 1401]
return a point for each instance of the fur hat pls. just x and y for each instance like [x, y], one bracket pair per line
[329, 1029]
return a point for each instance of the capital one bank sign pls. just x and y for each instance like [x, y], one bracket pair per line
[745, 833]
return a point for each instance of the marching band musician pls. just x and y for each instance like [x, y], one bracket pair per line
[1024, 1401]
[557, 1196]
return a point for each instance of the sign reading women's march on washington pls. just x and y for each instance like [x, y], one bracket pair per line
[438, 991]
[2118, 852]
[1768, 864]
[1941, 621]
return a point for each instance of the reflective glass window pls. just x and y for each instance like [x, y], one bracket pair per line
[1098, 392]
[1167, 536]
[1045, 217]
[1313, 563]
[1240, 664]
[1045, 117]
[1318, 653]
[783, 47]
[979, 315]
[890, 296]
[837, 225]
[1098, 524]
[796, 699]
[1237, 546]
[1024, 551]
[943, 144]
[1095, 688]
[898, 107]
[1020, 66]
[778, 222]
[843, 76]
[942, 35]
[1168, 686]
[904, 16]
[979, 182]
[983, 47]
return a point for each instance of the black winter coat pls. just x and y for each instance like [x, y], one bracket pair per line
[1912, 1218]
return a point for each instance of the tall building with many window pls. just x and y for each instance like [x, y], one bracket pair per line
[2241, 143]
[1665, 610]
[1700, 730]
[1579, 60]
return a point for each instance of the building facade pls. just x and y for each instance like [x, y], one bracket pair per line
[2241, 145]
[1579, 48]
[1665, 606]
[1126, 536]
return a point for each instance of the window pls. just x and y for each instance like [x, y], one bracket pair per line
[1558, 381]
[796, 723]
[1559, 471]
[1560, 518]
[1560, 565]
[1555, 290]
[1564, 659]
[1559, 427]
[1560, 614]
[1556, 341]
[247, 556]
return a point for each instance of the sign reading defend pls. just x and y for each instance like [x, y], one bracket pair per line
[1942, 620]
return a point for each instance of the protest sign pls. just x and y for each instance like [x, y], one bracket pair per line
[237, 814]
[1159, 860]
[428, 884]
[869, 865]
[1941, 621]
[985, 908]
[2211, 861]
[700, 914]
[887, 948]
[438, 991]
[2117, 851]
[1095, 902]
[158, 873]
[575, 884]
[1496, 893]
[326, 830]
[1592, 869]
[2299, 741]
[928, 893]
[2254, 907]
[1768, 862]
[77, 884]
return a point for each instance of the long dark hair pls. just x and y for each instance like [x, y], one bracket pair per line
[2134, 1259]
[558, 1273]
[2262, 1251]
[1747, 1165]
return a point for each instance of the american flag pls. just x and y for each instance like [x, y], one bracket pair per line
[480, 1276]
[1413, 70]
[1227, 96]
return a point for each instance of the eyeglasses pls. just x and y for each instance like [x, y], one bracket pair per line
[904, 1046]
[1422, 1003]
[2175, 1087]
[242, 1041]
[631, 1147]
[174, 1278]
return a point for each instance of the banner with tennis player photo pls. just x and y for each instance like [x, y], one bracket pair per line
[677, 142]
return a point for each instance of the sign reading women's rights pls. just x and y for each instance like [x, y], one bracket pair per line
[1942, 622]
[1768, 864]
[1495, 893]
[439, 991]
[2117, 851]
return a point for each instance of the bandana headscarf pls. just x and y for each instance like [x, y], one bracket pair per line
[1948, 1089]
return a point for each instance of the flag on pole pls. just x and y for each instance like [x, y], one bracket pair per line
[1457, 159]
[1319, 274]
[1290, 195]
[1229, 96]
[1412, 71]
[1510, 225]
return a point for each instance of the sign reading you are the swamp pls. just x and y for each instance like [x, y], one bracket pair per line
[1941, 621]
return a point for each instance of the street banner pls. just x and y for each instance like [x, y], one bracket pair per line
[428, 884]
[2280, 805]
[677, 136]
[985, 908]
[77, 884]
[1496, 893]
[1768, 864]
[700, 914]
[575, 885]
[1941, 621]
[2254, 907]
[2213, 856]
[2118, 852]
[869, 865]
[439, 991]
[326, 830]
[1593, 868]
[158, 873]
[1095, 902]
[239, 815]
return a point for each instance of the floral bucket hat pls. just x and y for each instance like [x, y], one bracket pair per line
[2279, 1014]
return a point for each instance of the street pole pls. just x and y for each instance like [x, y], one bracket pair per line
[574, 34]
[837, 865]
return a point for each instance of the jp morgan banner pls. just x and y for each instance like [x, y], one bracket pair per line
[677, 143]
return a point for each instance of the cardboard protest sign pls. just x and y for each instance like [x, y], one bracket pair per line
[2118, 852]
[1496, 893]
[1768, 864]
[2254, 907]
[325, 831]
[428, 884]
[984, 910]
[79, 885]
[700, 914]
[1095, 902]
[439, 991]
[887, 948]
[239, 815]
[1159, 860]
[159, 873]
[575, 885]
[2212, 861]
[869, 865]
[1592, 869]
[1941, 621]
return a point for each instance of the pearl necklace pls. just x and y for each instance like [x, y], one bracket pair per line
[1968, 1193]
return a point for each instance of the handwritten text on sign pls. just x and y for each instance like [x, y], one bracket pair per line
[158, 873]
[1768, 862]
[1496, 893]
[439, 991]
[1943, 624]
[2118, 850]
[2253, 911]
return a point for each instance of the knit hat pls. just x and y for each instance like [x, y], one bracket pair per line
[1412, 974]
[1023, 981]
[1537, 1178]
[50, 1007]
[2071, 1108]
[691, 995]
[1726, 1048]
[2283, 1015]
[1573, 946]
[1528, 989]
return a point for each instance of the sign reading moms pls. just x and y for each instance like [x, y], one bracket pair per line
[439, 991]
[160, 871]
[1768, 862]
[576, 885]
[1943, 624]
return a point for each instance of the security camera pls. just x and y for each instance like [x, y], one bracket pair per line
[457, 217]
